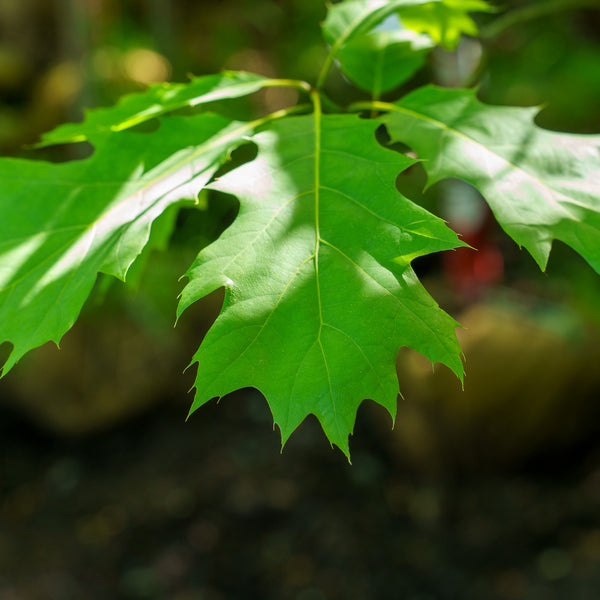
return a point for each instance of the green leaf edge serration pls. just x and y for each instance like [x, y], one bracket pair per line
[228, 361]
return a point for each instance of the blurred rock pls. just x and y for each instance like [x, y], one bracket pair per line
[115, 364]
[528, 389]
[105, 372]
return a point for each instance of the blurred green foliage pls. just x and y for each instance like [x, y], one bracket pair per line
[58, 57]
[552, 61]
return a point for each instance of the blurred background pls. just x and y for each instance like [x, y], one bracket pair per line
[488, 493]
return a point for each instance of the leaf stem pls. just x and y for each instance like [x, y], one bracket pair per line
[530, 13]
[326, 66]
[316, 99]
[303, 86]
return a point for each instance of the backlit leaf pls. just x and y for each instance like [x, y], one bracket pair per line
[348, 19]
[445, 21]
[385, 57]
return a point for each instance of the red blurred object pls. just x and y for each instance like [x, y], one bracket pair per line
[471, 271]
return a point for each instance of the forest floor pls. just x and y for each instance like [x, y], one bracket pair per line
[210, 510]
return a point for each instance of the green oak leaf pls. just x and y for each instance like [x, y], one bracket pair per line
[348, 19]
[385, 57]
[354, 17]
[157, 100]
[445, 21]
[320, 294]
[541, 185]
[64, 223]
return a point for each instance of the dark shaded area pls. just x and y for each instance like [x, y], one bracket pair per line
[209, 509]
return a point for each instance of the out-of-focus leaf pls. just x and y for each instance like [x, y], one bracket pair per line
[445, 21]
[348, 19]
[442, 20]
[384, 58]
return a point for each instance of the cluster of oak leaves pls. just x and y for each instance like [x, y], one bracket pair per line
[320, 293]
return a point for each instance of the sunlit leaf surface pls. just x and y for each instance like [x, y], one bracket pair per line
[63, 223]
[443, 20]
[541, 185]
[320, 294]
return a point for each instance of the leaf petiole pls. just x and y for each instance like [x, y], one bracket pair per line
[303, 86]
[278, 114]
[373, 106]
